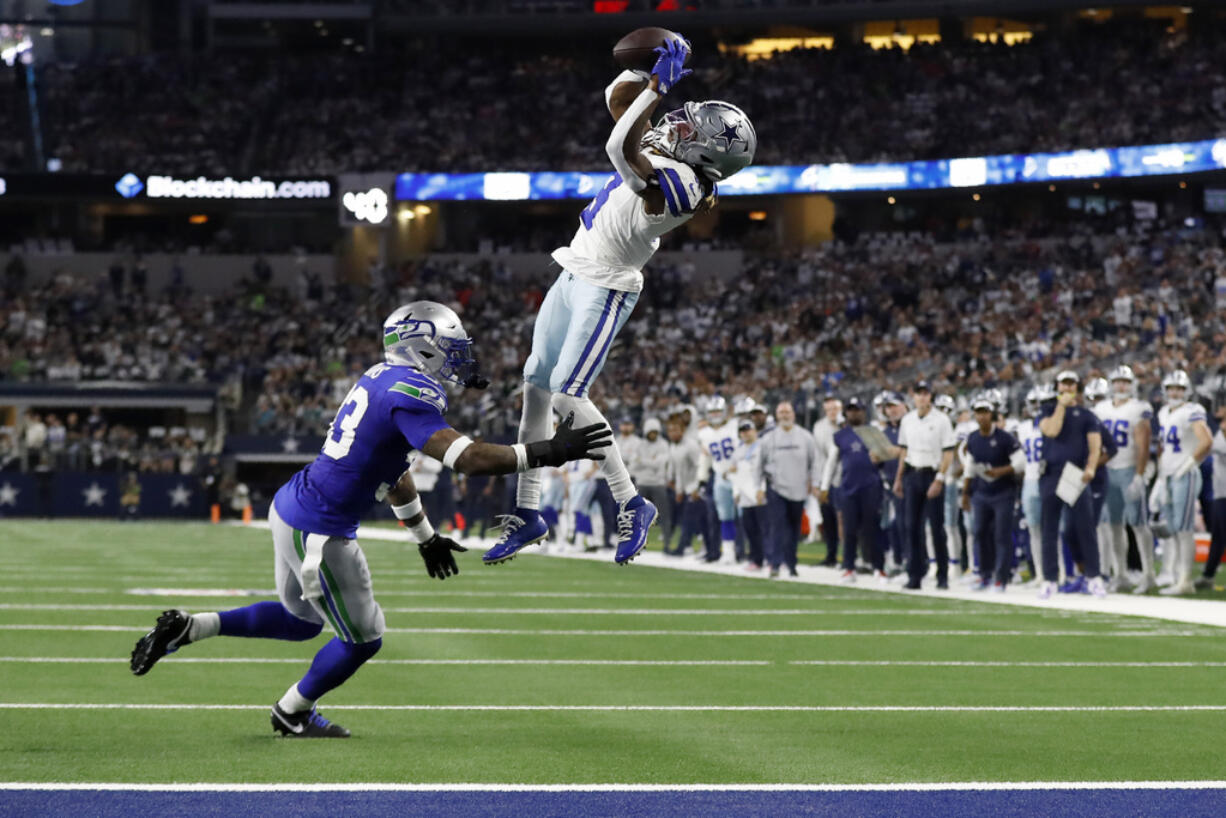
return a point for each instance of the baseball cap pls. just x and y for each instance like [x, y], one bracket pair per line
[853, 403]
[1068, 375]
[983, 402]
[745, 424]
[922, 386]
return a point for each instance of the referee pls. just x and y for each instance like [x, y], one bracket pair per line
[927, 440]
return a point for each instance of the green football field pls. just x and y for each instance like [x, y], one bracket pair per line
[558, 671]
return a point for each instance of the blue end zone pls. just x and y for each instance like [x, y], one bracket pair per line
[945, 804]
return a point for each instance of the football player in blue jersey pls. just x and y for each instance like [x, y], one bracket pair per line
[396, 407]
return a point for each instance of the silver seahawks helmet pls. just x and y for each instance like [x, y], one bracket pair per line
[1097, 390]
[1123, 373]
[715, 137]
[1179, 379]
[429, 337]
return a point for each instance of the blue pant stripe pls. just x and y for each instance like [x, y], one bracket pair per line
[617, 311]
[604, 316]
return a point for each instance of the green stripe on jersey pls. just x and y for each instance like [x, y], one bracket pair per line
[407, 389]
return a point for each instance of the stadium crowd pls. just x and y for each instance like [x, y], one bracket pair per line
[852, 318]
[1098, 85]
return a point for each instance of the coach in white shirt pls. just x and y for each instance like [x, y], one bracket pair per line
[927, 440]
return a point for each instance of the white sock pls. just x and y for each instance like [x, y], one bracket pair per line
[1187, 557]
[295, 702]
[203, 626]
[1145, 547]
[1106, 552]
[534, 424]
[613, 468]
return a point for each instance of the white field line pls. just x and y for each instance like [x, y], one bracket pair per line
[647, 708]
[497, 594]
[238, 660]
[915, 786]
[689, 633]
[569, 611]
[270, 661]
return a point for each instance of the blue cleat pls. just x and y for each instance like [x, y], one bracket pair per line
[636, 516]
[519, 530]
[1076, 585]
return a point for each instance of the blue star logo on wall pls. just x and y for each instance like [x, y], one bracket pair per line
[730, 135]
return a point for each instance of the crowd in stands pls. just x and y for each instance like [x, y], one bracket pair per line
[967, 314]
[489, 106]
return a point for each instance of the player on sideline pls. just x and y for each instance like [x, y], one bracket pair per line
[720, 439]
[1183, 442]
[321, 574]
[664, 176]
[1128, 418]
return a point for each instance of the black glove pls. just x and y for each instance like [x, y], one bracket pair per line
[476, 381]
[436, 552]
[570, 444]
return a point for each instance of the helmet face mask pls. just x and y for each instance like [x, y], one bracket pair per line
[1178, 383]
[1123, 382]
[714, 137]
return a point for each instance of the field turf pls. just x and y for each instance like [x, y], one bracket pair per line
[553, 671]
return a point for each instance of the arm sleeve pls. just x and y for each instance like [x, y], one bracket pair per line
[617, 140]
[417, 425]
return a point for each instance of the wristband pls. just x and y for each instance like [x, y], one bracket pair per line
[422, 531]
[456, 449]
[521, 457]
[409, 510]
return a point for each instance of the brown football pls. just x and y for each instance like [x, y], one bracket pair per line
[636, 50]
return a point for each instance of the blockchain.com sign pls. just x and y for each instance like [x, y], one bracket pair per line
[227, 188]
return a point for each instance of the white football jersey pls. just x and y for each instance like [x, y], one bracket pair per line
[1175, 430]
[719, 443]
[617, 236]
[1031, 438]
[1121, 422]
[963, 430]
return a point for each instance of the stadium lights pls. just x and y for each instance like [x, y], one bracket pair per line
[405, 215]
[198, 218]
[891, 200]
[976, 197]
[757, 215]
[422, 210]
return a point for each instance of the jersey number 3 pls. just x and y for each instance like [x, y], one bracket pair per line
[589, 213]
[344, 427]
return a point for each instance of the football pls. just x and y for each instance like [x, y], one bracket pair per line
[636, 50]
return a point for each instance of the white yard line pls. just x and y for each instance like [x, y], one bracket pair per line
[647, 708]
[270, 661]
[1097, 634]
[17, 606]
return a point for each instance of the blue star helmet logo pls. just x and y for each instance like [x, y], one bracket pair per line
[730, 134]
[129, 185]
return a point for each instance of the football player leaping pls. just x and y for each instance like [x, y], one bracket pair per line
[664, 175]
[321, 573]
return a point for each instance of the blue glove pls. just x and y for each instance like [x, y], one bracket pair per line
[670, 67]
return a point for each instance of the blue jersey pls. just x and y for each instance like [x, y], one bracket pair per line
[391, 411]
[1070, 445]
[889, 468]
[859, 471]
[992, 450]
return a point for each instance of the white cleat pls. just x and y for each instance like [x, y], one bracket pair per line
[848, 578]
[1146, 585]
[1179, 589]
[1098, 588]
[882, 578]
[1047, 590]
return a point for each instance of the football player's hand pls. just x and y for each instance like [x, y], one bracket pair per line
[670, 65]
[569, 444]
[898, 492]
[436, 553]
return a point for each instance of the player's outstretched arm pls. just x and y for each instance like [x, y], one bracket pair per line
[463, 455]
[623, 146]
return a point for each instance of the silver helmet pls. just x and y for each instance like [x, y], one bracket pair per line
[716, 410]
[429, 337]
[1177, 379]
[1033, 399]
[1097, 389]
[946, 404]
[715, 137]
[1123, 373]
